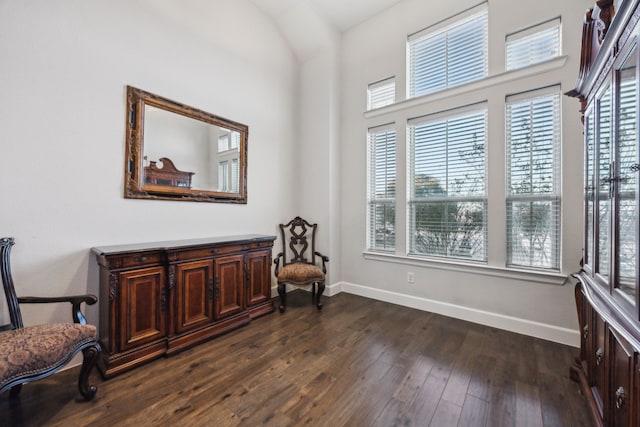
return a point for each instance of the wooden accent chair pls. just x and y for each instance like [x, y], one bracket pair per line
[298, 240]
[34, 352]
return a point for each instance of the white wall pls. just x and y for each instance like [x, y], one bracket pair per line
[65, 65]
[376, 50]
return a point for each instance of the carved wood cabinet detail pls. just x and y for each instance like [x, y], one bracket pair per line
[608, 290]
[160, 298]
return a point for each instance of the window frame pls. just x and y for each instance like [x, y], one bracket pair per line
[444, 35]
[388, 201]
[526, 39]
[553, 198]
[449, 119]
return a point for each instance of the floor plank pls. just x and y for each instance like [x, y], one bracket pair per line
[358, 362]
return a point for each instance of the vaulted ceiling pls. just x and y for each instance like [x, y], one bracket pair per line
[309, 25]
[341, 14]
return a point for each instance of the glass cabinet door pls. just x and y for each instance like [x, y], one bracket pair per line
[626, 177]
[603, 158]
[589, 182]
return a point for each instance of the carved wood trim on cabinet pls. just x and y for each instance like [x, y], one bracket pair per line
[608, 290]
[160, 298]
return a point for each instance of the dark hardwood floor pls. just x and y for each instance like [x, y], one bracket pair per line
[358, 362]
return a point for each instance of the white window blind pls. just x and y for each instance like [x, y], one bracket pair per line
[235, 175]
[381, 169]
[235, 139]
[450, 55]
[381, 93]
[533, 180]
[447, 186]
[223, 176]
[223, 143]
[533, 45]
[626, 188]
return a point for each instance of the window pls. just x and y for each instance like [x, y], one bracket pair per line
[533, 45]
[533, 180]
[223, 142]
[447, 186]
[223, 176]
[235, 139]
[235, 175]
[448, 56]
[381, 93]
[382, 188]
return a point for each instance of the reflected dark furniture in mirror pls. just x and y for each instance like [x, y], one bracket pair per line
[34, 352]
[168, 174]
[296, 264]
[212, 149]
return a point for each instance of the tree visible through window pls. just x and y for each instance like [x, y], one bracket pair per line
[447, 182]
[533, 185]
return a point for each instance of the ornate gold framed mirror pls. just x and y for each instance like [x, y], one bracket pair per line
[177, 152]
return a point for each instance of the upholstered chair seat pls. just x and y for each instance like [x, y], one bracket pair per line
[301, 273]
[34, 350]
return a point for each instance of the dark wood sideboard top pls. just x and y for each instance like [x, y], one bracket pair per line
[186, 243]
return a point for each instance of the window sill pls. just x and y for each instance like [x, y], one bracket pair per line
[487, 82]
[547, 278]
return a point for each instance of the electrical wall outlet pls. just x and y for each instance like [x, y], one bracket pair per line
[410, 278]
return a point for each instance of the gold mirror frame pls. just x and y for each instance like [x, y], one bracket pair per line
[135, 186]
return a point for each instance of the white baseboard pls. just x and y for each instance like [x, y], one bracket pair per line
[514, 324]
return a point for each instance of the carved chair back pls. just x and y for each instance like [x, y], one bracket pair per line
[298, 241]
[7, 282]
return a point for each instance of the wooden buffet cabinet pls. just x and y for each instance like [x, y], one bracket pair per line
[607, 297]
[160, 298]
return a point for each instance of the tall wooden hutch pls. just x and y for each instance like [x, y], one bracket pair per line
[608, 367]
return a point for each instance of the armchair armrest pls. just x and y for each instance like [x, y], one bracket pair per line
[75, 301]
[325, 260]
[276, 262]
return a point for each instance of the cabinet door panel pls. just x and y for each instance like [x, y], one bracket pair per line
[229, 274]
[619, 391]
[259, 280]
[596, 360]
[194, 295]
[142, 315]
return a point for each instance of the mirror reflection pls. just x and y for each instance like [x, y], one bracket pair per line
[176, 152]
[207, 157]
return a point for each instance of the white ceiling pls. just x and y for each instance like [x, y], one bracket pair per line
[341, 14]
[307, 26]
[310, 26]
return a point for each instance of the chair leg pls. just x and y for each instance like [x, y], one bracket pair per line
[282, 292]
[313, 292]
[91, 355]
[319, 294]
[15, 391]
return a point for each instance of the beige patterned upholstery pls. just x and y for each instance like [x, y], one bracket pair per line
[300, 273]
[37, 349]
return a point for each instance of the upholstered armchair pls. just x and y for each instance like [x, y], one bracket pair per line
[34, 352]
[296, 264]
